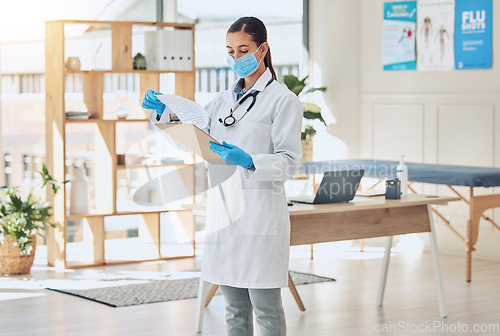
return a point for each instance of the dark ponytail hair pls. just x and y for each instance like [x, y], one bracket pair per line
[257, 30]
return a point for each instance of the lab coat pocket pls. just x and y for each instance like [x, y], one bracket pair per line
[260, 214]
[216, 217]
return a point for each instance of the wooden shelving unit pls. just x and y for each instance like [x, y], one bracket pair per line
[106, 165]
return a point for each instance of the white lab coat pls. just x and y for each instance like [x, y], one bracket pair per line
[247, 223]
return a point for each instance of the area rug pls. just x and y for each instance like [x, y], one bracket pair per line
[152, 291]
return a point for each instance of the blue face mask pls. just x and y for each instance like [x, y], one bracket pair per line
[245, 65]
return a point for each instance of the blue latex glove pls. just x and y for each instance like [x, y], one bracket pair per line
[151, 102]
[232, 155]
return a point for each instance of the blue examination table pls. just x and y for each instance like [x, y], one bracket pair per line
[450, 175]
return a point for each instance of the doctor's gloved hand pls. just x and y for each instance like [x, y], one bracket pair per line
[151, 102]
[232, 155]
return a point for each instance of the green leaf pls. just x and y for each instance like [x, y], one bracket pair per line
[55, 186]
[314, 116]
[17, 203]
[323, 88]
[48, 179]
[303, 80]
[291, 81]
[310, 107]
[308, 133]
[294, 84]
[297, 89]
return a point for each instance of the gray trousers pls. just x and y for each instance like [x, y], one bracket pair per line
[240, 303]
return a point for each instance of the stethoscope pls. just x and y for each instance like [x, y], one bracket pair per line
[230, 120]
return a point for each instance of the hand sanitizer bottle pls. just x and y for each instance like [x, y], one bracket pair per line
[402, 174]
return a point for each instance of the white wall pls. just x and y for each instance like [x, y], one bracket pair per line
[2, 169]
[335, 56]
[444, 117]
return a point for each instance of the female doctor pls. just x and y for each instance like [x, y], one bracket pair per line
[257, 121]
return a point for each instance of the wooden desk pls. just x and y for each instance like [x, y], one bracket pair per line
[449, 175]
[364, 217]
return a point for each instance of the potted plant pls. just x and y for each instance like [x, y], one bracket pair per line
[20, 221]
[139, 61]
[311, 112]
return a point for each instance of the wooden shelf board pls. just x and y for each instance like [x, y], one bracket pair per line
[126, 120]
[139, 71]
[166, 164]
[138, 23]
[95, 120]
[82, 264]
[126, 213]
[121, 213]
[76, 121]
[82, 216]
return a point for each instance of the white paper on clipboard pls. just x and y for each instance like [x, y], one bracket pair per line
[193, 138]
[188, 111]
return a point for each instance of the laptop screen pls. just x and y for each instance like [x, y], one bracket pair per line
[338, 186]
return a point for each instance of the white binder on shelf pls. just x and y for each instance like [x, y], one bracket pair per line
[179, 49]
[169, 50]
[153, 49]
[187, 47]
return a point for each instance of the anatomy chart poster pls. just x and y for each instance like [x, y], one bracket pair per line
[435, 26]
[473, 34]
[399, 35]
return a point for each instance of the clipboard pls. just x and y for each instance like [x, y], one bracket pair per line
[193, 138]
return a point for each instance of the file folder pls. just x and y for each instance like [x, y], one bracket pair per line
[187, 49]
[153, 49]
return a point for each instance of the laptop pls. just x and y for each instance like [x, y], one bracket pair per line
[335, 187]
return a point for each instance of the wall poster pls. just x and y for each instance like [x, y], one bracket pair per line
[399, 35]
[473, 34]
[435, 35]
